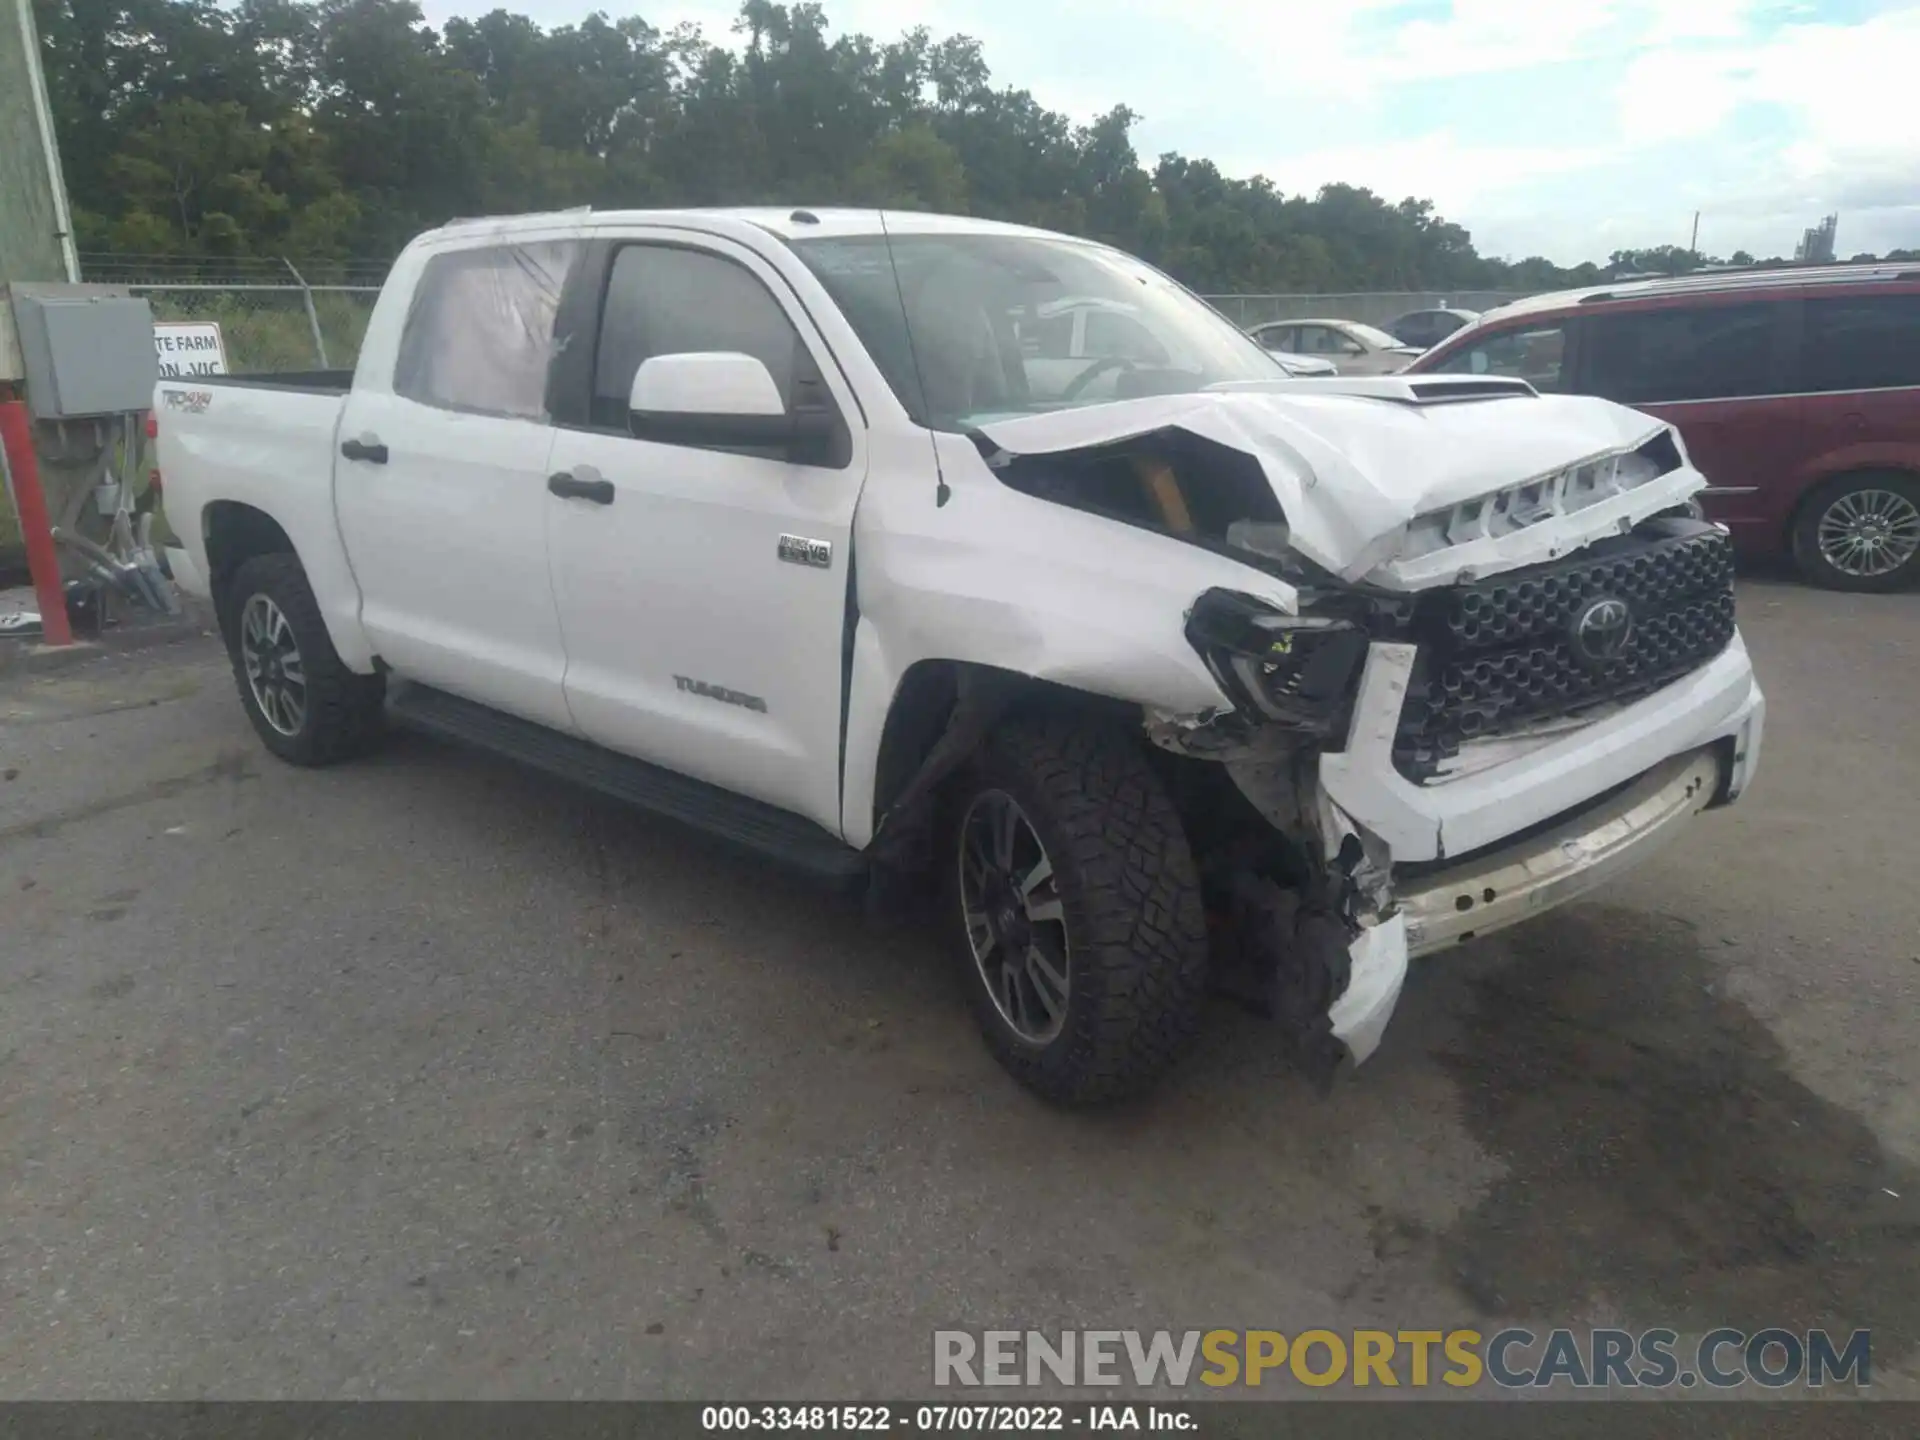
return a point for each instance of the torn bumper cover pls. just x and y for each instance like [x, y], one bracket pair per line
[1439, 907]
[1378, 960]
[1694, 745]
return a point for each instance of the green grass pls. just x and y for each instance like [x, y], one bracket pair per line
[268, 330]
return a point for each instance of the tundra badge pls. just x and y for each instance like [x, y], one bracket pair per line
[798, 550]
[719, 692]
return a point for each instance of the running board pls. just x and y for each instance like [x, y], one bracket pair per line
[748, 824]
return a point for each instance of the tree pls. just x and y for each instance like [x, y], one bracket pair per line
[342, 127]
[1658, 260]
[911, 169]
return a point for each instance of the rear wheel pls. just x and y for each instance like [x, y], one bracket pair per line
[1073, 905]
[305, 704]
[1861, 532]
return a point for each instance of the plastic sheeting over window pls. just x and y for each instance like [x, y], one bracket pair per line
[480, 335]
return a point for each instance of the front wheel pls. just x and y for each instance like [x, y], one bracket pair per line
[305, 704]
[1861, 532]
[1073, 905]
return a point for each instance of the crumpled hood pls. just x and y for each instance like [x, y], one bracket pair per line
[1351, 467]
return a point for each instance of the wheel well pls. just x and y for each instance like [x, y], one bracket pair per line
[925, 708]
[1827, 482]
[236, 533]
[921, 708]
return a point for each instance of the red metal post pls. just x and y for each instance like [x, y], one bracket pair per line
[16, 433]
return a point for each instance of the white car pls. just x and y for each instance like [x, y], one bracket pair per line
[1060, 337]
[766, 520]
[1357, 349]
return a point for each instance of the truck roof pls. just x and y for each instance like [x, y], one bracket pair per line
[788, 222]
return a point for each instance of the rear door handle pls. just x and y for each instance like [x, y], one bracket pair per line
[369, 450]
[582, 485]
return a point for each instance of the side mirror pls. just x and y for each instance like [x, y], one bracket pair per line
[719, 399]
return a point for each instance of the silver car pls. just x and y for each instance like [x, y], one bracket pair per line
[1356, 348]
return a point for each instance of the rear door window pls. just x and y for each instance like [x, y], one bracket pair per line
[1534, 353]
[479, 335]
[1861, 342]
[1707, 352]
[1416, 329]
[1323, 340]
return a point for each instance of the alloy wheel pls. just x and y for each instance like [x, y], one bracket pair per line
[1869, 533]
[1016, 921]
[275, 672]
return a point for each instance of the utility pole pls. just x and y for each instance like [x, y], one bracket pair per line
[36, 230]
[1693, 245]
[36, 245]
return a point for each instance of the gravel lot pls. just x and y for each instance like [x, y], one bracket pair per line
[424, 1077]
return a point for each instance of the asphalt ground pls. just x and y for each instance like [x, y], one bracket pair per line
[426, 1077]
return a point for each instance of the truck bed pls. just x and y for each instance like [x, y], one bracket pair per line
[313, 382]
[262, 443]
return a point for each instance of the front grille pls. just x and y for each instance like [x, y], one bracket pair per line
[1504, 652]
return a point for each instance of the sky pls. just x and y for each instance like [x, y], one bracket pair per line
[1564, 128]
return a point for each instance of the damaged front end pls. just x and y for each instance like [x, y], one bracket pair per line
[1299, 895]
[1385, 506]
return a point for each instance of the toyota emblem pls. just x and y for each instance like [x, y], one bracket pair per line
[1601, 630]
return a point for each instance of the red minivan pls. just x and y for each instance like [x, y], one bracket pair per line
[1797, 392]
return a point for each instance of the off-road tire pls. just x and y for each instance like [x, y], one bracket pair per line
[1135, 922]
[1816, 568]
[343, 709]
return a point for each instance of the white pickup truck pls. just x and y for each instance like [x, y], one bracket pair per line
[1172, 671]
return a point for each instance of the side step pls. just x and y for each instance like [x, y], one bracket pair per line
[751, 825]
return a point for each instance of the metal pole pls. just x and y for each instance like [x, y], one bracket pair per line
[30, 503]
[313, 316]
[49, 143]
[1693, 245]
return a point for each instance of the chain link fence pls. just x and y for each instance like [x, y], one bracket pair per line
[1378, 307]
[306, 327]
[273, 315]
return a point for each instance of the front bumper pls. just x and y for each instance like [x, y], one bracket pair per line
[1444, 904]
[1420, 823]
[1504, 886]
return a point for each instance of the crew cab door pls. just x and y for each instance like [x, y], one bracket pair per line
[440, 480]
[703, 592]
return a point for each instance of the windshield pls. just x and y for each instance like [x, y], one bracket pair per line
[1016, 325]
[1376, 339]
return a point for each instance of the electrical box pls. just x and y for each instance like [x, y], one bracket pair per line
[84, 353]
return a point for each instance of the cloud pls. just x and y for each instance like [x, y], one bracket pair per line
[1841, 93]
[1844, 83]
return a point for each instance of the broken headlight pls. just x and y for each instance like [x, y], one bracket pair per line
[1295, 670]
